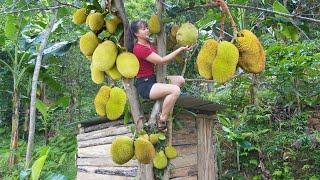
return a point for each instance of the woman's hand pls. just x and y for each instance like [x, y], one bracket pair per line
[185, 48]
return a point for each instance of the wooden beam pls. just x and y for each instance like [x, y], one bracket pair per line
[207, 168]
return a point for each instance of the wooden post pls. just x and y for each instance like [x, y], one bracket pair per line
[207, 164]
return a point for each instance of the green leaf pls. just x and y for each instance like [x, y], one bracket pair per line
[226, 129]
[162, 136]
[37, 166]
[59, 48]
[42, 108]
[63, 101]
[278, 7]
[24, 174]
[56, 176]
[10, 27]
[126, 114]
[290, 32]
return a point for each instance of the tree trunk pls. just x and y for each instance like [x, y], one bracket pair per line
[34, 88]
[253, 90]
[15, 129]
[128, 84]
[26, 122]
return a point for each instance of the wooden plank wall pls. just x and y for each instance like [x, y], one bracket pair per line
[94, 159]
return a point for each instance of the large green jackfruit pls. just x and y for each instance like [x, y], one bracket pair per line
[116, 103]
[114, 73]
[79, 17]
[88, 43]
[187, 34]
[225, 63]
[104, 56]
[205, 58]
[122, 149]
[171, 152]
[143, 150]
[96, 75]
[101, 100]
[128, 64]
[251, 53]
[154, 24]
[112, 24]
[160, 161]
[96, 21]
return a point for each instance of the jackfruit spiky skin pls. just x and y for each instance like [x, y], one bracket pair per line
[79, 17]
[154, 138]
[88, 43]
[96, 21]
[225, 63]
[104, 56]
[160, 161]
[205, 58]
[96, 75]
[128, 64]
[251, 53]
[144, 136]
[143, 150]
[87, 19]
[114, 73]
[112, 24]
[174, 30]
[116, 103]
[122, 149]
[171, 152]
[101, 100]
[187, 34]
[154, 24]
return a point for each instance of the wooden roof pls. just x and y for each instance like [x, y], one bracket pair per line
[198, 105]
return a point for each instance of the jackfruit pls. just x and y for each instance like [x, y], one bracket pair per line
[160, 161]
[87, 19]
[251, 53]
[116, 103]
[88, 43]
[89, 58]
[171, 152]
[225, 63]
[154, 24]
[143, 150]
[144, 136]
[127, 64]
[101, 100]
[104, 56]
[154, 138]
[122, 149]
[205, 58]
[96, 75]
[96, 21]
[174, 30]
[79, 17]
[112, 24]
[114, 73]
[187, 34]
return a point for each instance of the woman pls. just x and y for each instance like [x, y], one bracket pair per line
[146, 83]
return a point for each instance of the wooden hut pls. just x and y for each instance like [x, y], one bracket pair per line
[195, 143]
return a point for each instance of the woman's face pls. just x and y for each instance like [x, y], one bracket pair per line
[143, 33]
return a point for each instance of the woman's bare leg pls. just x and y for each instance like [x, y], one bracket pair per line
[169, 92]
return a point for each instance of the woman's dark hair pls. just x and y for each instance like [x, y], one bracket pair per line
[134, 28]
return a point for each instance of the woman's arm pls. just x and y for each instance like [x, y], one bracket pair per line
[156, 59]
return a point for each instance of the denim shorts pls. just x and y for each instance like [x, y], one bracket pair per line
[144, 85]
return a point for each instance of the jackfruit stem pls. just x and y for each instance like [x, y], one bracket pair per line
[225, 9]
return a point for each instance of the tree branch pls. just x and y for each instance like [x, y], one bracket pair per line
[33, 9]
[254, 9]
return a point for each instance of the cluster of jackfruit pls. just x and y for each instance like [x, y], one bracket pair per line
[154, 24]
[187, 34]
[218, 61]
[251, 53]
[104, 56]
[160, 160]
[110, 102]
